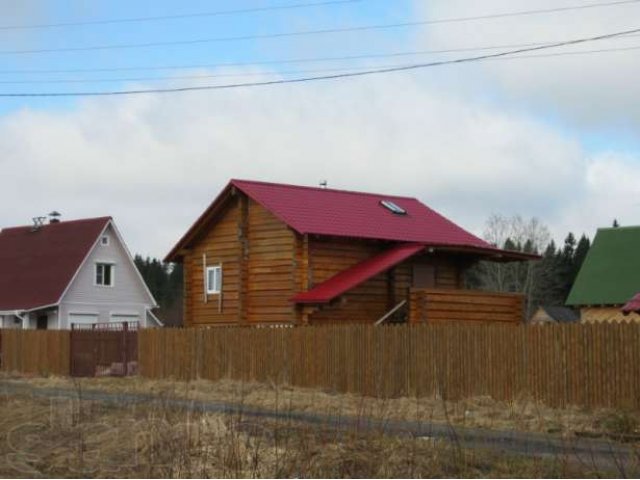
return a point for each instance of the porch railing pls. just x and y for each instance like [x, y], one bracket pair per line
[443, 305]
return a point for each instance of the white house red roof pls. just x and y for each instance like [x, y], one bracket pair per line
[37, 266]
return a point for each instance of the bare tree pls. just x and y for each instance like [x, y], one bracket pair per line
[514, 233]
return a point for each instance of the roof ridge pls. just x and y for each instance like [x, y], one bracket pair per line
[65, 222]
[322, 189]
[626, 227]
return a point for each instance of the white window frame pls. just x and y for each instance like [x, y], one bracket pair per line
[104, 240]
[216, 288]
[112, 266]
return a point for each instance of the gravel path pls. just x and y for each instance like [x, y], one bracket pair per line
[599, 455]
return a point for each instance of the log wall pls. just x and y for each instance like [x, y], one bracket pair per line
[469, 306]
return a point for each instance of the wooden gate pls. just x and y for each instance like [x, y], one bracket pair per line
[104, 349]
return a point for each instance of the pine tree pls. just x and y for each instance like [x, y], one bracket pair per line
[579, 255]
[165, 284]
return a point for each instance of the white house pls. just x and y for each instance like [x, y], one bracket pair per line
[56, 274]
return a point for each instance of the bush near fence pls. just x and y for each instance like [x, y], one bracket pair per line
[596, 365]
[591, 365]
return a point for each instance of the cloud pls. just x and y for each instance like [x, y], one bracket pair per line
[611, 189]
[589, 91]
[23, 12]
[155, 162]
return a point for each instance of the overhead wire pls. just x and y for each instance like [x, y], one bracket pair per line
[156, 18]
[283, 61]
[313, 32]
[328, 77]
[287, 72]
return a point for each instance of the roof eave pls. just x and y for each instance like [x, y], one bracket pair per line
[495, 254]
[193, 231]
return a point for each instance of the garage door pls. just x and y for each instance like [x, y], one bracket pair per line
[123, 317]
[80, 319]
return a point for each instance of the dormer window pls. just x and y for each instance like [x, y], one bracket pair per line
[104, 274]
[393, 207]
[104, 240]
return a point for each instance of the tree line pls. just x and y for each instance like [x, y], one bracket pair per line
[547, 281]
[165, 283]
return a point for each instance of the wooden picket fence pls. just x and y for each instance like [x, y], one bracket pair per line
[35, 352]
[591, 365]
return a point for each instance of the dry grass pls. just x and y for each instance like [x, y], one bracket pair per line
[523, 414]
[72, 438]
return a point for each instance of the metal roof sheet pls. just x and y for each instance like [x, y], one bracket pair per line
[324, 211]
[610, 274]
[36, 266]
[632, 305]
[344, 213]
[359, 273]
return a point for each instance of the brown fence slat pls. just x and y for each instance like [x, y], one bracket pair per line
[560, 365]
[589, 365]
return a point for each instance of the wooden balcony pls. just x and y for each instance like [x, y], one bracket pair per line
[471, 306]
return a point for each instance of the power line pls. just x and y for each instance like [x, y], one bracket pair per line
[327, 77]
[178, 16]
[315, 32]
[286, 61]
[289, 72]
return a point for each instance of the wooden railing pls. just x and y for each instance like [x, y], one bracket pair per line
[433, 305]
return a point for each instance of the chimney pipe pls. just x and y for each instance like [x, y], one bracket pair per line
[54, 217]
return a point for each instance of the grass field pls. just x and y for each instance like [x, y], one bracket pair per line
[74, 438]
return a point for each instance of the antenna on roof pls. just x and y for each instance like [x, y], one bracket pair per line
[38, 222]
[323, 183]
[54, 217]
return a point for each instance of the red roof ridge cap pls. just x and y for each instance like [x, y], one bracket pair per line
[237, 181]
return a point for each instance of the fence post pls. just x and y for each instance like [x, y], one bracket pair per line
[125, 360]
[71, 370]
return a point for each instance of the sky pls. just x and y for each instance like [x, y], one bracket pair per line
[554, 137]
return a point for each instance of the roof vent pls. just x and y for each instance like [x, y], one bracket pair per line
[392, 207]
[54, 217]
[38, 222]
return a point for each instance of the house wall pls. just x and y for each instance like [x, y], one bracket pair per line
[365, 302]
[373, 298]
[127, 296]
[9, 321]
[270, 266]
[219, 246]
[606, 314]
[256, 251]
[540, 316]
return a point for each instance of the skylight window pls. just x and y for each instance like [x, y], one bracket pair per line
[392, 207]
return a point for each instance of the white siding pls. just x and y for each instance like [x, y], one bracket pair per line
[10, 321]
[127, 295]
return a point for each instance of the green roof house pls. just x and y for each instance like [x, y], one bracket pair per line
[609, 277]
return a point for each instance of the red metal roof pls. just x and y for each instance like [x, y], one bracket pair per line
[359, 273]
[632, 305]
[345, 213]
[355, 214]
[37, 266]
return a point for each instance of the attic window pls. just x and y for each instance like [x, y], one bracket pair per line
[104, 240]
[392, 207]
